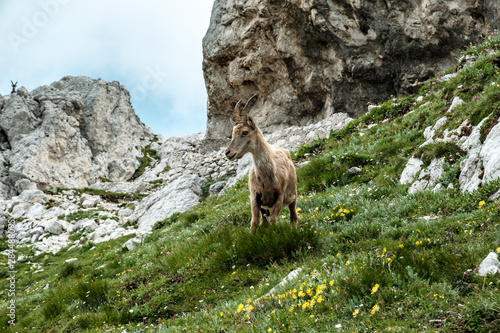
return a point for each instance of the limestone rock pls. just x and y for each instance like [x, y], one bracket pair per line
[86, 225]
[178, 196]
[490, 265]
[70, 134]
[131, 244]
[411, 169]
[483, 161]
[310, 59]
[120, 187]
[428, 177]
[216, 188]
[53, 226]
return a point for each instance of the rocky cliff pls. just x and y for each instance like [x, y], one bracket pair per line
[72, 133]
[308, 59]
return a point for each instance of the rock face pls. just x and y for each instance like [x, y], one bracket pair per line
[180, 195]
[308, 59]
[71, 134]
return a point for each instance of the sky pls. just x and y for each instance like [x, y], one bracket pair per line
[152, 47]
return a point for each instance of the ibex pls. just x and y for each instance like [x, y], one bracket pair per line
[14, 85]
[272, 181]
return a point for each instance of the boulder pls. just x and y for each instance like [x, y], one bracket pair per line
[86, 225]
[490, 265]
[216, 188]
[89, 201]
[180, 195]
[411, 169]
[52, 226]
[131, 244]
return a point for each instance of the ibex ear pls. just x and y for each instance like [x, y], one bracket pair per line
[251, 123]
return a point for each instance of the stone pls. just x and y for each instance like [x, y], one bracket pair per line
[53, 212]
[120, 187]
[216, 188]
[51, 244]
[23, 185]
[354, 171]
[456, 102]
[37, 231]
[494, 196]
[410, 171]
[447, 77]
[131, 244]
[290, 277]
[86, 225]
[35, 212]
[53, 226]
[20, 209]
[430, 131]
[490, 265]
[310, 59]
[89, 201]
[33, 196]
[180, 195]
[125, 212]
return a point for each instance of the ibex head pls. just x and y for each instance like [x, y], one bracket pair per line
[244, 130]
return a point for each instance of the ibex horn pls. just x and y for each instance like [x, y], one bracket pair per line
[244, 114]
[236, 114]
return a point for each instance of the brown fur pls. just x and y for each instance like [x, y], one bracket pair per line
[272, 181]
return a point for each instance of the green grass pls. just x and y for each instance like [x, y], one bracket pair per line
[148, 156]
[373, 258]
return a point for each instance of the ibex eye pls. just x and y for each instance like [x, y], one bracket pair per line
[244, 133]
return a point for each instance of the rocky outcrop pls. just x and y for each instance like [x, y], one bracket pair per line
[179, 196]
[480, 165]
[310, 59]
[70, 134]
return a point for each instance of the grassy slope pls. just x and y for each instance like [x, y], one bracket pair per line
[373, 257]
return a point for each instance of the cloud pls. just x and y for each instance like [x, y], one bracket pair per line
[152, 47]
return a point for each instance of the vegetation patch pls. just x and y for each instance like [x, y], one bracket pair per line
[450, 151]
[148, 157]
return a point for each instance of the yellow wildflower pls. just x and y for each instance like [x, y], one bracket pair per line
[240, 307]
[375, 288]
[481, 203]
[375, 309]
[355, 313]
